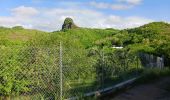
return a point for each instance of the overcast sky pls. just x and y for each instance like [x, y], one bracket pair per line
[48, 15]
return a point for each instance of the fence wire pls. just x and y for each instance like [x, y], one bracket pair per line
[57, 73]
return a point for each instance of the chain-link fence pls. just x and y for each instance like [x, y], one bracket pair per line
[108, 70]
[29, 73]
[56, 73]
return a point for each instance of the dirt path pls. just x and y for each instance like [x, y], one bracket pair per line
[150, 91]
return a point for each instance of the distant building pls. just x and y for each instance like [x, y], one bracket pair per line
[117, 47]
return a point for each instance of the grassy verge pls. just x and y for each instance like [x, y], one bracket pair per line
[153, 74]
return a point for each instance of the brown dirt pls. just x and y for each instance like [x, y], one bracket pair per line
[156, 90]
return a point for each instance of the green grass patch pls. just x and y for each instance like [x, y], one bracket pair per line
[153, 74]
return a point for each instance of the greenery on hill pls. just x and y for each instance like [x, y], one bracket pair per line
[156, 36]
[151, 38]
[17, 35]
[82, 48]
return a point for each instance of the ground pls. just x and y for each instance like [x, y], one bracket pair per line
[156, 90]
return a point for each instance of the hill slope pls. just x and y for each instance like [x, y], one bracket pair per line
[24, 52]
[17, 35]
[151, 38]
[155, 35]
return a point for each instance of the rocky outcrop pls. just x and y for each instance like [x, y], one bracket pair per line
[68, 24]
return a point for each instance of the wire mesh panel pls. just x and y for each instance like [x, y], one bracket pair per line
[84, 74]
[120, 66]
[79, 73]
[59, 72]
[29, 73]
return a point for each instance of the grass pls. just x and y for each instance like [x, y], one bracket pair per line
[94, 85]
[153, 74]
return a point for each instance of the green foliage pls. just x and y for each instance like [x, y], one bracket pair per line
[18, 28]
[150, 75]
[11, 83]
[82, 50]
[152, 38]
[68, 21]
[17, 36]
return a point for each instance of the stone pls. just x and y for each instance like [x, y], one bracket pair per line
[69, 24]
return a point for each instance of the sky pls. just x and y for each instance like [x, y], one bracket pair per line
[48, 15]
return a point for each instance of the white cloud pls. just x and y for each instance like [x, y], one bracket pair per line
[7, 21]
[126, 22]
[24, 11]
[133, 2]
[93, 19]
[118, 5]
[103, 5]
[52, 19]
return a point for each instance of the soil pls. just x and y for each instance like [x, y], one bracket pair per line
[157, 90]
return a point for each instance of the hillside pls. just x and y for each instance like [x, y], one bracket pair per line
[159, 27]
[30, 57]
[154, 35]
[151, 38]
[17, 35]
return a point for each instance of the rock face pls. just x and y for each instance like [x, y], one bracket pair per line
[68, 24]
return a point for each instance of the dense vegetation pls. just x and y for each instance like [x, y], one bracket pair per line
[82, 48]
[151, 38]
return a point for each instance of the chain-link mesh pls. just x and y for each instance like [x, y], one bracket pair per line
[29, 73]
[55, 73]
[83, 77]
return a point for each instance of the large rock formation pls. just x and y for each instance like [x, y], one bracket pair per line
[68, 24]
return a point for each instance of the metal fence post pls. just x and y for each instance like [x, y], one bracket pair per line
[61, 72]
[103, 66]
